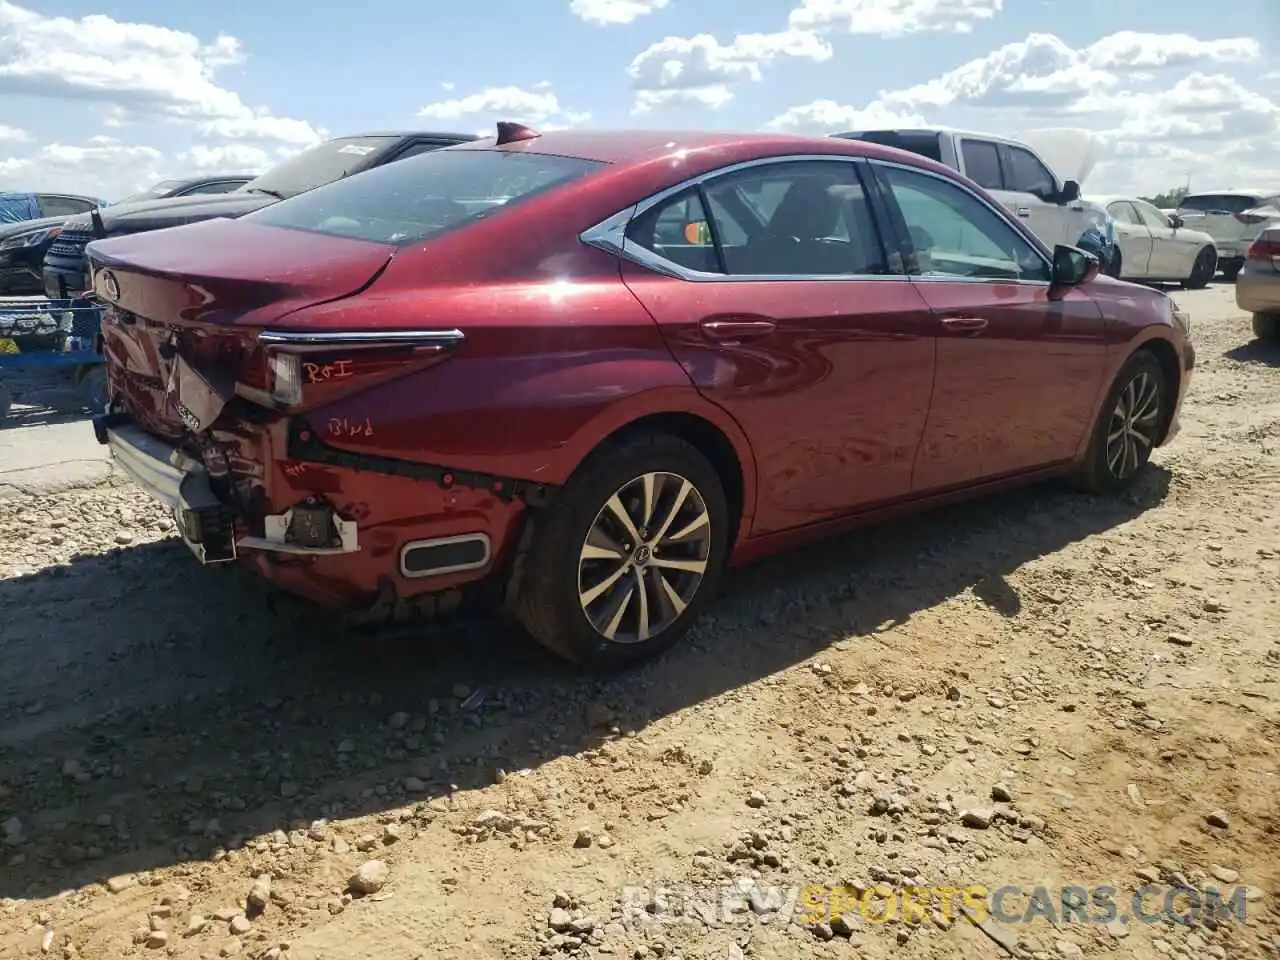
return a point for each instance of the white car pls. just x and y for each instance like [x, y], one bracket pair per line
[1234, 218]
[1157, 247]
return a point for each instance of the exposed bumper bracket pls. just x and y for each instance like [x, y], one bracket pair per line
[305, 446]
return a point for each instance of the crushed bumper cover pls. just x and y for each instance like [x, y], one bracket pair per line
[205, 523]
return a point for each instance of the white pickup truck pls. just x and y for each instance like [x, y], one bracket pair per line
[1019, 177]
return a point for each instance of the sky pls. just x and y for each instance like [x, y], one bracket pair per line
[109, 96]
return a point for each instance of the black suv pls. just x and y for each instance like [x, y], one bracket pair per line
[66, 272]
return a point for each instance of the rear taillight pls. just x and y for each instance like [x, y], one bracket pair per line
[296, 370]
[1265, 250]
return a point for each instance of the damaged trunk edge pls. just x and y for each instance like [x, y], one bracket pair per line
[211, 389]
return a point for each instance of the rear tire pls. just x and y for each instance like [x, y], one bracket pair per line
[1266, 326]
[1202, 270]
[6, 402]
[1131, 419]
[93, 387]
[602, 598]
[1231, 271]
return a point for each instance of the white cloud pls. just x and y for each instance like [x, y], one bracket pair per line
[1156, 127]
[702, 70]
[10, 134]
[893, 18]
[101, 167]
[537, 107]
[609, 12]
[133, 70]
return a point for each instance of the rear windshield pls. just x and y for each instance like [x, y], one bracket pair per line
[161, 189]
[418, 198]
[1220, 202]
[924, 144]
[321, 164]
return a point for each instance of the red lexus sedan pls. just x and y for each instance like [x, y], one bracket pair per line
[576, 375]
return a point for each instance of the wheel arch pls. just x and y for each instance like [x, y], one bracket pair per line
[1166, 355]
[691, 418]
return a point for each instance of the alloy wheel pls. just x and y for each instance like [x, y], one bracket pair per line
[644, 557]
[1135, 423]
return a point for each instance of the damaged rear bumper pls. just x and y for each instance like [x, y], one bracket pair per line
[207, 524]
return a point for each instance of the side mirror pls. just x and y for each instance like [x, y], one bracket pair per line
[1073, 266]
[1176, 221]
[1070, 192]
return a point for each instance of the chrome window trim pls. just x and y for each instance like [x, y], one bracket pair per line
[610, 234]
[1001, 214]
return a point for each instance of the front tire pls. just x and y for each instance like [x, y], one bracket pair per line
[1129, 425]
[1266, 326]
[1202, 270]
[1113, 268]
[626, 556]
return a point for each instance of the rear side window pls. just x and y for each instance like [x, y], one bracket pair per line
[923, 144]
[218, 186]
[1220, 202]
[982, 164]
[416, 199]
[786, 219]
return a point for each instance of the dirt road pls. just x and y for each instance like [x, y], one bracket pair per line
[1041, 689]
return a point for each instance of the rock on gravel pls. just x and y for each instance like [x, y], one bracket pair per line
[260, 893]
[370, 878]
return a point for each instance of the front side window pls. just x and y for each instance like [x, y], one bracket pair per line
[956, 235]
[982, 164]
[1122, 211]
[803, 218]
[1026, 174]
[414, 200]
[53, 206]
[1151, 217]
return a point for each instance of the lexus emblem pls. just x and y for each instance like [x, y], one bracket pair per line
[110, 286]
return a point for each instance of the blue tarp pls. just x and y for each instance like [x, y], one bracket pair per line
[17, 207]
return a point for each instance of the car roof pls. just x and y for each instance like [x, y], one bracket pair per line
[1104, 200]
[1240, 191]
[637, 146]
[409, 134]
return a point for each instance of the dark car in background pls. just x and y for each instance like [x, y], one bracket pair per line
[24, 243]
[65, 270]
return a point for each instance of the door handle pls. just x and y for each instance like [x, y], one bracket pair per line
[963, 324]
[1023, 211]
[737, 328]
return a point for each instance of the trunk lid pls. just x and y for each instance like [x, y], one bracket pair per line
[187, 304]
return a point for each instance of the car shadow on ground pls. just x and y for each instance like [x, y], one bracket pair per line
[41, 396]
[154, 712]
[1264, 352]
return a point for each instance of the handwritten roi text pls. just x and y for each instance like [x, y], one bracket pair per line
[342, 427]
[324, 372]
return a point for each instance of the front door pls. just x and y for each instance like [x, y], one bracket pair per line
[1017, 373]
[771, 287]
[1134, 240]
[1033, 187]
[1172, 256]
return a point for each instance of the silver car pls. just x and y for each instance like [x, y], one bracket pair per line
[1258, 285]
[1234, 218]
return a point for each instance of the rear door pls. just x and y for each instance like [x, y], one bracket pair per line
[774, 291]
[1017, 373]
[1134, 239]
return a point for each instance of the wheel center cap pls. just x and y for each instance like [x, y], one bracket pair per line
[642, 555]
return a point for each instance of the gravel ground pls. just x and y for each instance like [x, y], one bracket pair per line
[1041, 688]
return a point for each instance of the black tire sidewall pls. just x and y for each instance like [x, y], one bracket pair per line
[1201, 277]
[1097, 476]
[576, 509]
[1115, 266]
